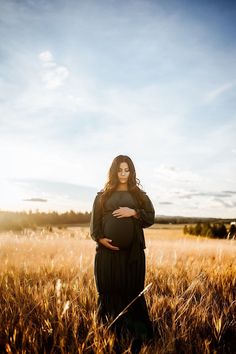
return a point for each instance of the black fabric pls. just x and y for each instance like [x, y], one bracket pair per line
[120, 275]
[118, 282]
[120, 198]
[120, 230]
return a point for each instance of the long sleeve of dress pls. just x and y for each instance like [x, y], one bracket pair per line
[96, 220]
[146, 214]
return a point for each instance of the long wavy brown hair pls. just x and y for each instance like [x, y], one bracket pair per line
[134, 186]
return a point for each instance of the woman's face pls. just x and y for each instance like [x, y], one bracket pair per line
[123, 173]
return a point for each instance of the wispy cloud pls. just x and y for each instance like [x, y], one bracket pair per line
[173, 173]
[206, 194]
[47, 58]
[166, 203]
[52, 74]
[35, 200]
[226, 204]
[214, 94]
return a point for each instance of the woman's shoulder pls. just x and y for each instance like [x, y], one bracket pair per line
[142, 192]
[144, 196]
[100, 192]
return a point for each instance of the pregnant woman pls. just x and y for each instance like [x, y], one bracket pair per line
[120, 212]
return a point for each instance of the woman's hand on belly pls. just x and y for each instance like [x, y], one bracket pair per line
[107, 243]
[124, 212]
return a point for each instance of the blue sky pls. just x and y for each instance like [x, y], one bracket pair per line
[84, 81]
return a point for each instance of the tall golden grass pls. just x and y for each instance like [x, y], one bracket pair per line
[48, 296]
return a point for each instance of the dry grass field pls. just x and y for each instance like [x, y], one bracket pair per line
[48, 296]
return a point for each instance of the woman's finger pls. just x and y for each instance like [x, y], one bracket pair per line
[114, 248]
[111, 246]
[106, 242]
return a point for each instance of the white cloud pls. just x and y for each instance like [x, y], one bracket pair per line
[55, 77]
[212, 95]
[172, 173]
[52, 74]
[46, 56]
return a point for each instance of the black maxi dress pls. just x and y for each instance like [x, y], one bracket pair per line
[120, 275]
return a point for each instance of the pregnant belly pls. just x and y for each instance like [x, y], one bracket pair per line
[120, 231]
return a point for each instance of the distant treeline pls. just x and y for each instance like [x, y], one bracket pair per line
[218, 230]
[163, 219]
[17, 221]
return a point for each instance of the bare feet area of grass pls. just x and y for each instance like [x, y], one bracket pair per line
[48, 296]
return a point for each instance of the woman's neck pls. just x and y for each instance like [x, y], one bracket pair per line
[122, 187]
